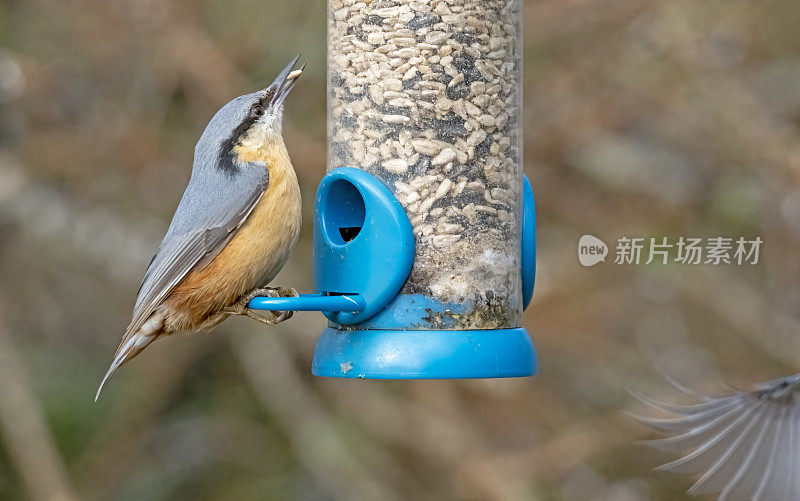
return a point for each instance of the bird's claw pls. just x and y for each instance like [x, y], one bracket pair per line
[240, 307]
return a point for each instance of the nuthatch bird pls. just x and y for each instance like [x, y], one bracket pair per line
[744, 446]
[233, 230]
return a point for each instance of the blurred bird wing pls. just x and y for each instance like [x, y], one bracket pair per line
[745, 445]
[213, 207]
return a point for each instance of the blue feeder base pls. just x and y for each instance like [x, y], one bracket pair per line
[396, 354]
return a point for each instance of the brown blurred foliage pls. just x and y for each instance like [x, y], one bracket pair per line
[641, 119]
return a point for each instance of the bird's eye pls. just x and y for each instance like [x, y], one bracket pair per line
[257, 110]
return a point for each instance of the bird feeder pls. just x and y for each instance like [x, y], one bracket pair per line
[424, 226]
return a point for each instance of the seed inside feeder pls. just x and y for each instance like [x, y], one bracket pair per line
[425, 95]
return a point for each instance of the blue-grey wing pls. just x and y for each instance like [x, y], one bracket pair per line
[743, 446]
[215, 204]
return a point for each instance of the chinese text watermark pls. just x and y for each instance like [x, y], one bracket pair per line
[664, 250]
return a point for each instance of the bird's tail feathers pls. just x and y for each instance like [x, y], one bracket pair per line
[132, 345]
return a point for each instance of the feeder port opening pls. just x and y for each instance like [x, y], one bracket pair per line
[343, 212]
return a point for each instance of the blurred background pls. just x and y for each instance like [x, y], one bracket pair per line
[677, 118]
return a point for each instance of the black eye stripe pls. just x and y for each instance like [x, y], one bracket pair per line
[260, 107]
[225, 162]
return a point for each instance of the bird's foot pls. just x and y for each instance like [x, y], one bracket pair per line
[240, 307]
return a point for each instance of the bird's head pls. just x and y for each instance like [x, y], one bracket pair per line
[263, 121]
[249, 122]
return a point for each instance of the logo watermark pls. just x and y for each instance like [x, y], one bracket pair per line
[663, 250]
[591, 250]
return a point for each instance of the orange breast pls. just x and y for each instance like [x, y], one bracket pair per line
[252, 258]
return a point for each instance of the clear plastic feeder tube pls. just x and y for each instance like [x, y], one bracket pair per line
[426, 96]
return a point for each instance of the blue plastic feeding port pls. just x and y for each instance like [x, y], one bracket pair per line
[363, 242]
[363, 250]
[528, 253]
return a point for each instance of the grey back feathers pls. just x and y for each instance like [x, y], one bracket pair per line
[215, 204]
[743, 446]
[209, 184]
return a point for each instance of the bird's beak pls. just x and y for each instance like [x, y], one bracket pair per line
[284, 82]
